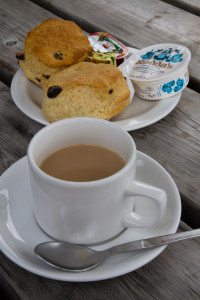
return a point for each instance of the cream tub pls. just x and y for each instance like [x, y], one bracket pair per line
[159, 71]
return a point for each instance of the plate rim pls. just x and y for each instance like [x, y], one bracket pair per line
[126, 124]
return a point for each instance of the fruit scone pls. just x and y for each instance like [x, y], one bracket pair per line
[51, 47]
[85, 89]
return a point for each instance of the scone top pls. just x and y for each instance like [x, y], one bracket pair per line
[106, 78]
[57, 43]
[85, 89]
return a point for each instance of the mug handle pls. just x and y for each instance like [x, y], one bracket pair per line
[159, 196]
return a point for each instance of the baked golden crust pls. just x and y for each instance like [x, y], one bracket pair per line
[57, 42]
[52, 46]
[85, 89]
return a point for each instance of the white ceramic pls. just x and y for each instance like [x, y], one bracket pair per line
[140, 113]
[89, 212]
[159, 71]
[19, 232]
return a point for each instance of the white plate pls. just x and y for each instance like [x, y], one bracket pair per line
[140, 113]
[19, 232]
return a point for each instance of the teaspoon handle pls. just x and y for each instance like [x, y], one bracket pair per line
[153, 242]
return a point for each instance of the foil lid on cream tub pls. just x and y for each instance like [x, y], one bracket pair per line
[159, 71]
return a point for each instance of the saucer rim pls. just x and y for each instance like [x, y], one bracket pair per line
[89, 275]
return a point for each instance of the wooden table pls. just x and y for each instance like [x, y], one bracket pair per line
[174, 141]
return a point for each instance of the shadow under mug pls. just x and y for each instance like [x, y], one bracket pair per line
[95, 211]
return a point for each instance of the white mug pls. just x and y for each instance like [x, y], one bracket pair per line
[94, 211]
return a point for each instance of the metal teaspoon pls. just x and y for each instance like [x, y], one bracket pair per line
[76, 258]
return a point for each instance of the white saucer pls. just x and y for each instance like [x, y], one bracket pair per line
[19, 232]
[140, 113]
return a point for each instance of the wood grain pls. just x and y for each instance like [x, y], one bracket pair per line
[136, 23]
[172, 275]
[192, 6]
[179, 131]
[16, 130]
[174, 142]
[25, 15]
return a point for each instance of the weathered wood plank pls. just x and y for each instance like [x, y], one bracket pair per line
[16, 130]
[136, 23]
[25, 15]
[175, 143]
[181, 126]
[172, 275]
[192, 6]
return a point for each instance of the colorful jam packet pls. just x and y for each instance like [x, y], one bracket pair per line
[104, 42]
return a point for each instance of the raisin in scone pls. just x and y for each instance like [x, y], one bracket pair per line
[50, 47]
[85, 90]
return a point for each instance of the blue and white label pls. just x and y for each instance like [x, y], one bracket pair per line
[168, 55]
[173, 85]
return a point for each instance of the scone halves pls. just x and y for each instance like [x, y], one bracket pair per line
[85, 90]
[52, 46]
